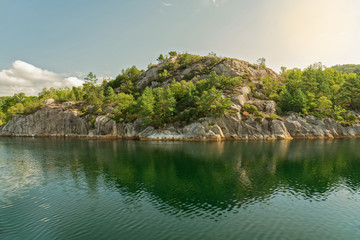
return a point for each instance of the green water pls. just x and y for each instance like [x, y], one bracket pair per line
[80, 189]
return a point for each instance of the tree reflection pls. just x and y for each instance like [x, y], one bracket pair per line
[210, 176]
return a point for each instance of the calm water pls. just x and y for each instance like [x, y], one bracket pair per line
[80, 189]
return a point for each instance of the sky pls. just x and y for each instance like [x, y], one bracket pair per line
[57, 43]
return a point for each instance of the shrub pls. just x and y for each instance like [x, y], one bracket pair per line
[250, 108]
[259, 116]
[164, 75]
[186, 60]
[350, 118]
[272, 117]
[172, 53]
[92, 122]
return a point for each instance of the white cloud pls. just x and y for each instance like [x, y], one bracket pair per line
[166, 4]
[26, 78]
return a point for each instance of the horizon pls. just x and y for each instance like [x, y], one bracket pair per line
[57, 44]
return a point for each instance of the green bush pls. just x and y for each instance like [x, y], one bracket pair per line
[259, 116]
[250, 108]
[172, 53]
[272, 117]
[350, 118]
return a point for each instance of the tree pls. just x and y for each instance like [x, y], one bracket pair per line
[350, 92]
[164, 107]
[126, 80]
[110, 96]
[172, 53]
[282, 70]
[146, 106]
[2, 118]
[212, 104]
[296, 102]
[324, 106]
[161, 58]
[91, 78]
[261, 62]
[17, 109]
[125, 108]
[272, 87]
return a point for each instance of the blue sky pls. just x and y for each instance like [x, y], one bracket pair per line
[73, 37]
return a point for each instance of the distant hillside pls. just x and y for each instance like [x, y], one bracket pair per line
[347, 68]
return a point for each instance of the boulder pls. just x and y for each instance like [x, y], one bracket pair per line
[48, 101]
[68, 104]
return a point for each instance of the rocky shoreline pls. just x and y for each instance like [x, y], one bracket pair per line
[58, 122]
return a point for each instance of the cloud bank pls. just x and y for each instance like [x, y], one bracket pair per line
[26, 78]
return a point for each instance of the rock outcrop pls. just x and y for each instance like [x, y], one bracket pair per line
[223, 66]
[57, 122]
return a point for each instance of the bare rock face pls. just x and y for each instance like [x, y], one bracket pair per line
[48, 101]
[224, 66]
[242, 97]
[47, 122]
[311, 127]
[67, 123]
[104, 126]
[68, 104]
[147, 77]
[234, 67]
[267, 106]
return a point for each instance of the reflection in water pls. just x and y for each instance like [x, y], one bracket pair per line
[181, 179]
[217, 174]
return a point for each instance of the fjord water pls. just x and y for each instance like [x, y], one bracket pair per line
[81, 189]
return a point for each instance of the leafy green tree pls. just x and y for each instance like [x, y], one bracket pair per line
[272, 87]
[126, 80]
[296, 102]
[2, 118]
[146, 104]
[182, 89]
[293, 80]
[350, 92]
[324, 106]
[339, 113]
[164, 107]
[212, 104]
[110, 96]
[16, 109]
[309, 82]
[125, 109]
[78, 93]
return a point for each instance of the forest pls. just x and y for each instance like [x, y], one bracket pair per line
[316, 90]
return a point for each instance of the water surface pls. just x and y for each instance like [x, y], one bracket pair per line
[81, 189]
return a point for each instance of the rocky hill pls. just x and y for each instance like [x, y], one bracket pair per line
[198, 68]
[250, 114]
